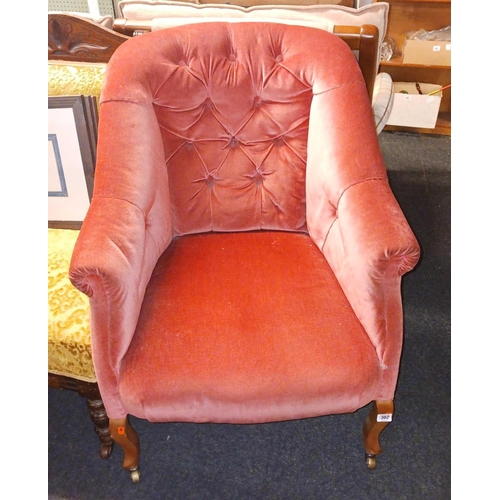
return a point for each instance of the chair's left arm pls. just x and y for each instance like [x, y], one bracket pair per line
[127, 227]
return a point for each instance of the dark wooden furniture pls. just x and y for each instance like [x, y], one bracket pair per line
[89, 391]
[77, 39]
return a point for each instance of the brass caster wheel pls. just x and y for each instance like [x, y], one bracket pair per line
[135, 475]
[371, 461]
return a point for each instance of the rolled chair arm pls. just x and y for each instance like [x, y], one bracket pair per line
[354, 218]
[369, 247]
[127, 228]
[112, 261]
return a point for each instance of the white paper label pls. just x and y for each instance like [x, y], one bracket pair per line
[384, 417]
[436, 48]
[448, 46]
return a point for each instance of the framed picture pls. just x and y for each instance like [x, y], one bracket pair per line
[72, 141]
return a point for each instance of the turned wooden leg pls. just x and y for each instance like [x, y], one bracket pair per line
[101, 426]
[379, 418]
[124, 435]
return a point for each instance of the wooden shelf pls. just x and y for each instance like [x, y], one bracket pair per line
[411, 15]
[398, 61]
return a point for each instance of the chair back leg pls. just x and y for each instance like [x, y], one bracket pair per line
[101, 426]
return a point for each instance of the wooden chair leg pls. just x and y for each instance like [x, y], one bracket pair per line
[378, 419]
[101, 426]
[89, 391]
[124, 435]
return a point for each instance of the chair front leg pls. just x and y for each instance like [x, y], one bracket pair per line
[125, 436]
[378, 419]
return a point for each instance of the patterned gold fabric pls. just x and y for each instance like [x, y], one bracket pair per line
[75, 78]
[69, 350]
[69, 334]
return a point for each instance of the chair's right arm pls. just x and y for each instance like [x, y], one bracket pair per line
[356, 221]
[127, 227]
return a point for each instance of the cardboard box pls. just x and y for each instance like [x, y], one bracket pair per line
[411, 109]
[427, 53]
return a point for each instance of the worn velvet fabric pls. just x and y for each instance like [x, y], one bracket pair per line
[243, 251]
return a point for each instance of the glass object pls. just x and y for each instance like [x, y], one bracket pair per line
[387, 49]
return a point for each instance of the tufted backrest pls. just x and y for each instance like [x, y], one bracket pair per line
[233, 104]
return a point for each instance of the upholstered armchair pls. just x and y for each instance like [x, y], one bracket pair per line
[243, 251]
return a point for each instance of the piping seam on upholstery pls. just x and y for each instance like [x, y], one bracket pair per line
[356, 183]
[339, 87]
[338, 203]
[328, 233]
[129, 101]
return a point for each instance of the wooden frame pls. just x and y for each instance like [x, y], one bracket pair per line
[72, 154]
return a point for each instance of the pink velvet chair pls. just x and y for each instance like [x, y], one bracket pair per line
[243, 251]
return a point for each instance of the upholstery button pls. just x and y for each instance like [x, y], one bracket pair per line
[279, 58]
[278, 141]
[208, 103]
[210, 180]
[234, 142]
[182, 63]
[258, 178]
[257, 101]
[232, 58]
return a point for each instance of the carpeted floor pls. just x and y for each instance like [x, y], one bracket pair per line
[313, 459]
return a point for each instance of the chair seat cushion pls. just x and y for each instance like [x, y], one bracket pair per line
[69, 349]
[246, 327]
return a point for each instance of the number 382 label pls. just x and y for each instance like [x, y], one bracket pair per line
[384, 417]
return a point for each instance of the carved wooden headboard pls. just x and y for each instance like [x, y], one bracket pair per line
[77, 39]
